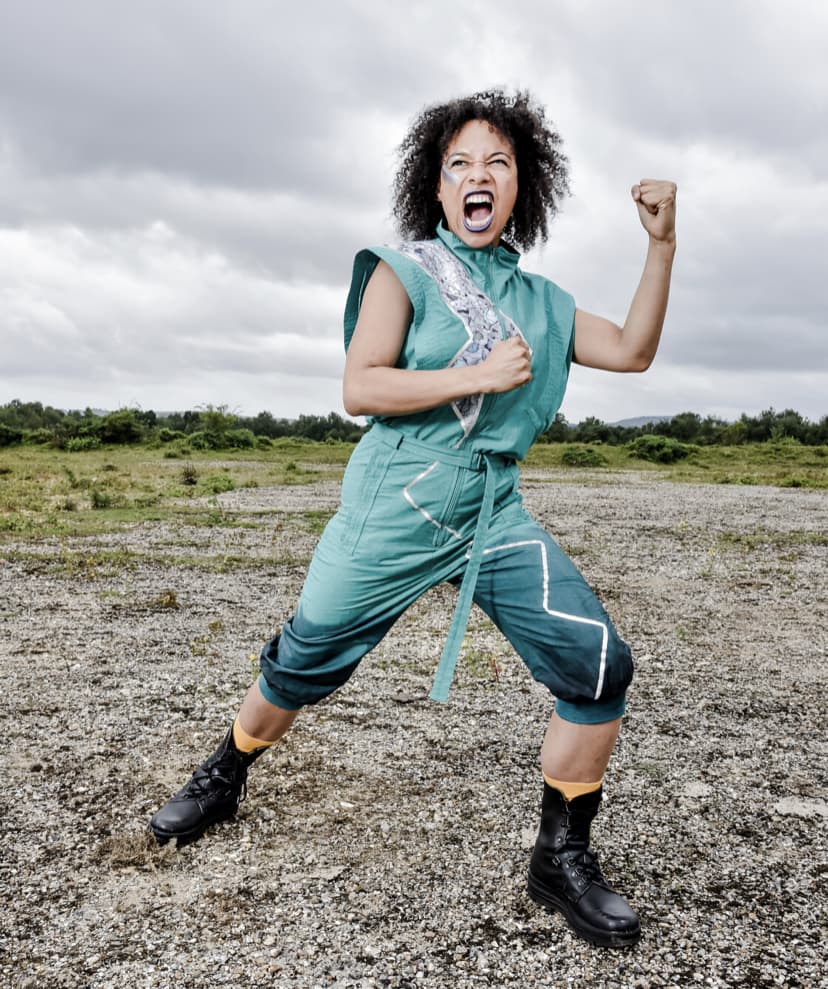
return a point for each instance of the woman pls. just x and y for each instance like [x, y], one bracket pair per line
[461, 359]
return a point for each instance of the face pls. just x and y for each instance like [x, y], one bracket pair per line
[478, 184]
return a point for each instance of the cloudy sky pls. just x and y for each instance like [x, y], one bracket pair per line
[183, 184]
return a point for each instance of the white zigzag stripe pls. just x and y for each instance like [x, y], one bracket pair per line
[561, 614]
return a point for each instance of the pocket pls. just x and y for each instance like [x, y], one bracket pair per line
[361, 484]
[431, 495]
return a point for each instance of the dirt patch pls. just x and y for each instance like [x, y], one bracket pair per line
[385, 842]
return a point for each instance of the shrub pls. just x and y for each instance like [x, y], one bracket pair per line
[203, 441]
[100, 499]
[583, 456]
[217, 483]
[36, 436]
[177, 452]
[166, 600]
[189, 475]
[77, 444]
[659, 449]
[169, 435]
[240, 439]
[9, 436]
[122, 426]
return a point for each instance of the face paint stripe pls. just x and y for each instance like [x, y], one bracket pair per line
[449, 176]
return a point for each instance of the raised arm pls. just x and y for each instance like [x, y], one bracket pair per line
[372, 385]
[603, 344]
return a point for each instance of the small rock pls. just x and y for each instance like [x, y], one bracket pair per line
[801, 807]
[696, 790]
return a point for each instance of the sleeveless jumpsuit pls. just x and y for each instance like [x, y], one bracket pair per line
[433, 497]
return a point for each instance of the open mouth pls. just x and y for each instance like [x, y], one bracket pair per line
[478, 211]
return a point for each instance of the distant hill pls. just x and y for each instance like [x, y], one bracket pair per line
[640, 421]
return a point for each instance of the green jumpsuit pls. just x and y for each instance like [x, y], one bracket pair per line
[433, 497]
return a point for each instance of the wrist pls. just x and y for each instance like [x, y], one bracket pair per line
[476, 379]
[663, 245]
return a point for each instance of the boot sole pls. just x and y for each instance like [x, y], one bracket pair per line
[543, 896]
[186, 837]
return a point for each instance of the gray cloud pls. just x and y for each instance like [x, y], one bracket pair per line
[183, 186]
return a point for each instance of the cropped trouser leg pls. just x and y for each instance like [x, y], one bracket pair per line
[347, 605]
[537, 597]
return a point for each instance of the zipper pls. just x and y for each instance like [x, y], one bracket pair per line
[490, 292]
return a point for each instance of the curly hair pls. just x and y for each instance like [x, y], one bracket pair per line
[542, 167]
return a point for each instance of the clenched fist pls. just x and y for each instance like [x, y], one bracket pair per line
[656, 201]
[508, 366]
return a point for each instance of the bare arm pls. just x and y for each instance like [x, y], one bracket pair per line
[603, 344]
[372, 385]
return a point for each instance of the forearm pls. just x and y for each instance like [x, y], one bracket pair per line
[395, 391]
[641, 332]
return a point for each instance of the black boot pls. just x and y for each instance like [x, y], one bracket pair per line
[213, 794]
[564, 874]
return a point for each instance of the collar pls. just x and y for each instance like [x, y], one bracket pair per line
[479, 259]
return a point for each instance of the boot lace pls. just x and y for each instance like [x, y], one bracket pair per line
[582, 861]
[221, 775]
[584, 865]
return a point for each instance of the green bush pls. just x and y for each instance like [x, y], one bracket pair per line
[122, 426]
[217, 483]
[204, 441]
[37, 436]
[659, 449]
[583, 456]
[77, 444]
[169, 435]
[177, 452]
[100, 499]
[240, 439]
[10, 436]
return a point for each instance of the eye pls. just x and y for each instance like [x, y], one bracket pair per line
[456, 163]
[500, 162]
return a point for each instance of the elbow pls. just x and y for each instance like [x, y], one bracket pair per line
[351, 404]
[353, 398]
[641, 362]
[636, 361]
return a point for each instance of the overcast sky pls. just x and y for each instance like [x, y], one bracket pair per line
[184, 183]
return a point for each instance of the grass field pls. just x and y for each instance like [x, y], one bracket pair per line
[47, 492]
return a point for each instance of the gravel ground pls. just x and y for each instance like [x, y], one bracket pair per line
[385, 841]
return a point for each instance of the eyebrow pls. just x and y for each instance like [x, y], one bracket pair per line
[468, 154]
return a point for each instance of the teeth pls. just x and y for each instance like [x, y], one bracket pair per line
[479, 197]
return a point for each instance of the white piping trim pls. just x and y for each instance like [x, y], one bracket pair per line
[426, 515]
[560, 614]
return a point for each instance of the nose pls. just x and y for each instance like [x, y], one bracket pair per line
[479, 171]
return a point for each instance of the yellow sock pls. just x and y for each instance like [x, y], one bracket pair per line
[572, 790]
[247, 743]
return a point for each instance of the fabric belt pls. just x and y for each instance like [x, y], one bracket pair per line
[471, 460]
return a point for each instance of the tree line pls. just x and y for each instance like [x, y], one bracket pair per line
[217, 427]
